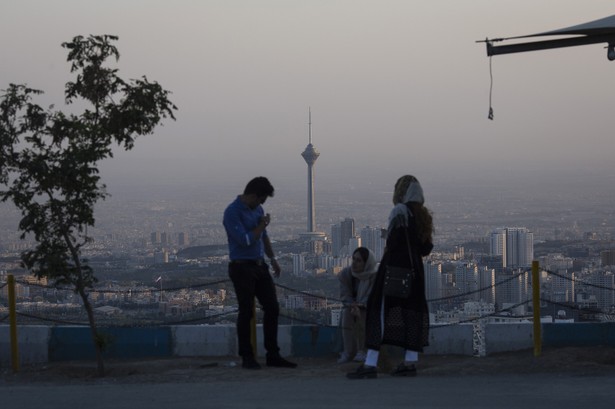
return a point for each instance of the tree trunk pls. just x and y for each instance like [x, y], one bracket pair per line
[80, 287]
[98, 343]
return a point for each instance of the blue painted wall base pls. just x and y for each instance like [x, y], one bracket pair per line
[75, 343]
[579, 334]
[315, 341]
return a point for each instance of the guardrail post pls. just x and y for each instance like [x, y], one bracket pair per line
[13, 323]
[536, 307]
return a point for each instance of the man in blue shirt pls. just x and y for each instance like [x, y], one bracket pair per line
[246, 222]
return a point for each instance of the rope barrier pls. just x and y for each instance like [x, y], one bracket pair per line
[322, 297]
[206, 318]
[581, 282]
[54, 320]
[495, 314]
[130, 290]
[479, 290]
[307, 294]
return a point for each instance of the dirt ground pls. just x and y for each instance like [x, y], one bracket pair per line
[594, 361]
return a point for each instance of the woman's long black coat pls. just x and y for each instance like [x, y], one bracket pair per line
[406, 321]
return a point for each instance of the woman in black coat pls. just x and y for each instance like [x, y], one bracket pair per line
[403, 322]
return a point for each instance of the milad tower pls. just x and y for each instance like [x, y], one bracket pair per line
[310, 155]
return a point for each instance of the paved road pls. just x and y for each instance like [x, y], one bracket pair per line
[560, 378]
[545, 391]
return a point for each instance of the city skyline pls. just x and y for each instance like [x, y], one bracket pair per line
[461, 211]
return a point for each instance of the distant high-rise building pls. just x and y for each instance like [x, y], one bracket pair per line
[164, 238]
[353, 243]
[347, 229]
[325, 261]
[497, 243]
[298, 265]
[514, 244]
[466, 280]
[459, 253]
[182, 239]
[374, 239]
[607, 257]
[603, 284]
[336, 239]
[486, 282]
[341, 234]
[563, 286]
[155, 237]
[513, 287]
[161, 257]
[433, 281]
[491, 261]
[310, 155]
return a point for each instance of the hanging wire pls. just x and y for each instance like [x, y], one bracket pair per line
[490, 116]
[208, 318]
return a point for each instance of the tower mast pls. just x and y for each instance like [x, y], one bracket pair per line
[310, 155]
[310, 124]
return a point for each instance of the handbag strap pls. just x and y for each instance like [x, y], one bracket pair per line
[409, 249]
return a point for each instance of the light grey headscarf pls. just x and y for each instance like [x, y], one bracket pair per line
[370, 267]
[413, 193]
[366, 278]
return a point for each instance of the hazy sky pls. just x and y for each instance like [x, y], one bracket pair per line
[395, 86]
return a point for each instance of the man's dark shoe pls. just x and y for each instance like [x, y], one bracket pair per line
[250, 363]
[363, 372]
[278, 361]
[404, 370]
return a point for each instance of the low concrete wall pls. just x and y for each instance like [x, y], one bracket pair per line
[313, 340]
[508, 337]
[578, 334]
[221, 340]
[450, 340]
[321, 341]
[39, 344]
[204, 340]
[33, 344]
[75, 342]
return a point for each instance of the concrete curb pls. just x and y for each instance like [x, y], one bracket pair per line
[40, 344]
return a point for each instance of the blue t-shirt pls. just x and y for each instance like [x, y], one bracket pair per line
[239, 220]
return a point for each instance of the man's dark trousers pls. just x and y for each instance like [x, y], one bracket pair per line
[252, 279]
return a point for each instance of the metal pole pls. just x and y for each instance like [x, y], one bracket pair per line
[548, 44]
[536, 306]
[13, 323]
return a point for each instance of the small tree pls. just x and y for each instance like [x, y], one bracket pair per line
[49, 159]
